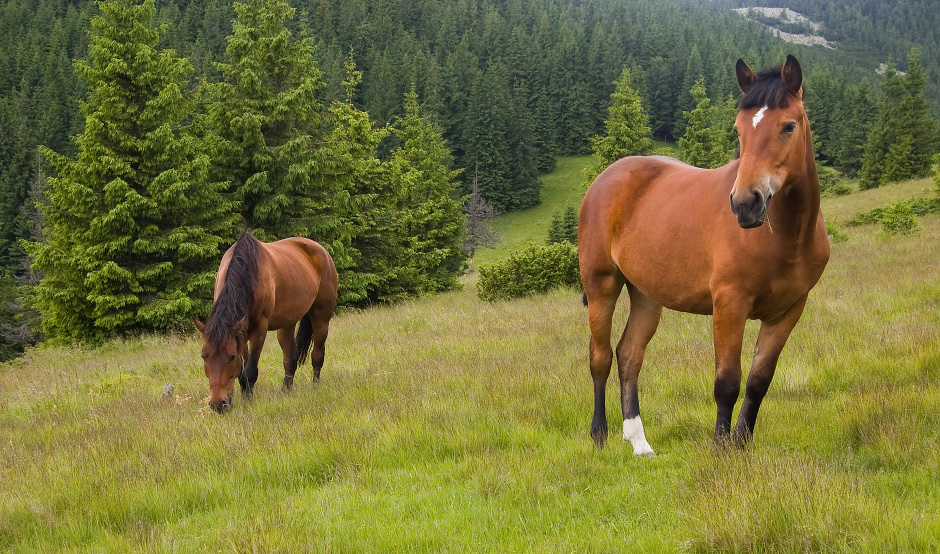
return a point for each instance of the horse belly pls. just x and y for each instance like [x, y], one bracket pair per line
[677, 278]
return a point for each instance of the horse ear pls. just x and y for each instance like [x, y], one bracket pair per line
[792, 74]
[240, 327]
[745, 75]
[200, 326]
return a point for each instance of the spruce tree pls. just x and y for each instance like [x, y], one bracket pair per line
[900, 144]
[486, 141]
[133, 226]
[266, 130]
[856, 115]
[569, 225]
[627, 125]
[431, 211]
[916, 119]
[369, 252]
[884, 132]
[687, 101]
[556, 230]
[703, 144]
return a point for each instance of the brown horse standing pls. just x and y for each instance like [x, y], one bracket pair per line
[663, 229]
[264, 287]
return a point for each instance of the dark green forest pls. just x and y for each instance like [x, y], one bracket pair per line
[498, 89]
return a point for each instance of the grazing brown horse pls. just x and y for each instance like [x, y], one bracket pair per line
[264, 287]
[665, 230]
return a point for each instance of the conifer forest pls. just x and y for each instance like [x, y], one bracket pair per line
[138, 138]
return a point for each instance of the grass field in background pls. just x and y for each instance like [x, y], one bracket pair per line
[562, 188]
[451, 425]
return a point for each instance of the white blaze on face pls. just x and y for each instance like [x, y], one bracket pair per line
[758, 116]
[633, 432]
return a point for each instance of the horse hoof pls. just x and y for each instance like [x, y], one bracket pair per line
[600, 436]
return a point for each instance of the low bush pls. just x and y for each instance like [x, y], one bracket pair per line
[920, 206]
[899, 218]
[533, 270]
[836, 235]
[830, 182]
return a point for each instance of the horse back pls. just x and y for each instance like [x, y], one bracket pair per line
[296, 273]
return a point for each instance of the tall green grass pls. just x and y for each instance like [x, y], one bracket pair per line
[452, 425]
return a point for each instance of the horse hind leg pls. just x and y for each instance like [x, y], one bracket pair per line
[314, 329]
[285, 337]
[321, 328]
[601, 295]
[641, 326]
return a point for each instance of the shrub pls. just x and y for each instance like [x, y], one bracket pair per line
[899, 218]
[830, 182]
[836, 235]
[920, 206]
[533, 270]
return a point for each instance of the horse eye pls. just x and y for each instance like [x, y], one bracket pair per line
[231, 358]
[789, 127]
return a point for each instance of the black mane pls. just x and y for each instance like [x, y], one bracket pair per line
[237, 295]
[768, 90]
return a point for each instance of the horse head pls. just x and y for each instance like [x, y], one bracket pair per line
[773, 131]
[223, 355]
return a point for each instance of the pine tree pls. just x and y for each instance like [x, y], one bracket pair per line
[703, 144]
[884, 132]
[369, 251]
[432, 214]
[900, 144]
[133, 226]
[916, 119]
[687, 101]
[487, 141]
[856, 115]
[569, 223]
[556, 229]
[627, 125]
[725, 114]
[524, 173]
[265, 127]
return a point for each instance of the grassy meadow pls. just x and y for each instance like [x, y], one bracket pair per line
[451, 425]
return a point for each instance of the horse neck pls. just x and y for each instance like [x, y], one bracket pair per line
[237, 295]
[796, 211]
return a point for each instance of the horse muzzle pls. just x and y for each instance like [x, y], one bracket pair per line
[752, 211]
[222, 406]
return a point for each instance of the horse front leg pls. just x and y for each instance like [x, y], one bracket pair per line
[770, 341]
[728, 323]
[285, 337]
[250, 372]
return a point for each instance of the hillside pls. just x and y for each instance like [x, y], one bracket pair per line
[451, 425]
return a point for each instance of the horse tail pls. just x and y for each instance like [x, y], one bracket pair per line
[584, 299]
[303, 338]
